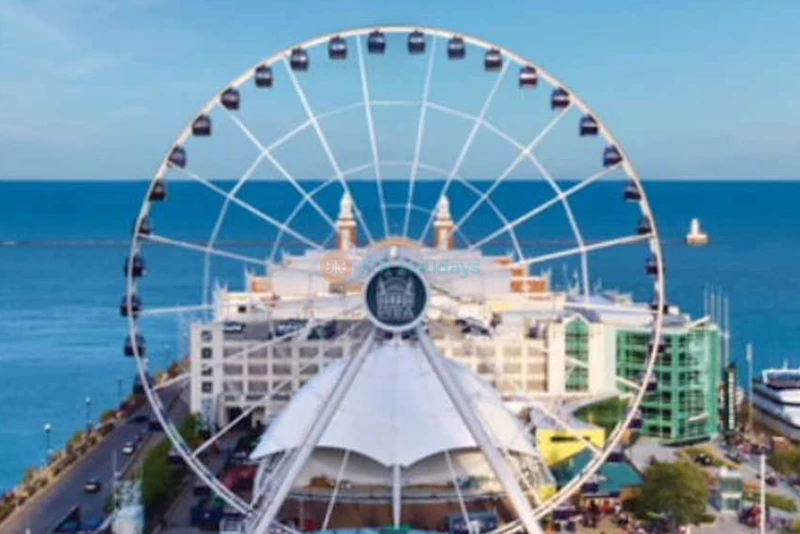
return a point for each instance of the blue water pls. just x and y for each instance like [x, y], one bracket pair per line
[61, 335]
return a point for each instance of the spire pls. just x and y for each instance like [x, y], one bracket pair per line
[443, 226]
[346, 225]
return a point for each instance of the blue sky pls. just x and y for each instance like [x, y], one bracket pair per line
[93, 89]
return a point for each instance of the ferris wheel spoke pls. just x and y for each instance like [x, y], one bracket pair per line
[297, 209]
[255, 211]
[267, 153]
[544, 206]
[496, 211]
[581, 250]
[326, 146]
[222, 432]
[420, 134]
[161, 240]
[171, 381]
[319, 423]
[476, 124]
[511, 166]
[373, 141]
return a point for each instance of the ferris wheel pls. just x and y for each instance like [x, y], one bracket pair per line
[306, 140]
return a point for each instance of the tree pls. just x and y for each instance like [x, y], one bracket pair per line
[787, 462]
[676, 494]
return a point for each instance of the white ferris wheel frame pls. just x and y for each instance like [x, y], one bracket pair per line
[340, 175]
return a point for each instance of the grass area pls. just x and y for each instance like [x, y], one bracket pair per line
[781, 502]
[692, 453]
[160, 478]
[605, 413]
[786, 462]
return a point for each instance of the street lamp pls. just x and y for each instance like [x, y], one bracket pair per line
[47, 429]
[88, 402]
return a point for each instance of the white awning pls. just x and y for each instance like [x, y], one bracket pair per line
[396, 412]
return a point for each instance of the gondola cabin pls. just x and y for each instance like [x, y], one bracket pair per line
[376, 42]
[230, 99]
[645, 226]
[492, 60]
[135, 345]
[144, 228]
[158, 192]
[456, 48]
[528, 77]
[135, 305]
[588, 126]
[337, 48]
[136, 266]
[416, 42]
[611, 156]
[201, 126]
[559, 99]
[298, 59]
[263, 76]
[177, 158]
[632, 193]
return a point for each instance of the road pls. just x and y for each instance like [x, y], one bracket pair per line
[42, 513]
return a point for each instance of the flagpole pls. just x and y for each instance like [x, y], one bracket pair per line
[763, 517]
[750, 382]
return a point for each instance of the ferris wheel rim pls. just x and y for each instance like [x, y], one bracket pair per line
[626, 165]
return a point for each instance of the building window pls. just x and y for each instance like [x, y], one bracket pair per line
[208, 371]
[233, 387]
[230, 369]
[281, 369]
[207, 387]
[206, 353]
[257, 386]
[259, 369]
[206, 336]
[242, 309]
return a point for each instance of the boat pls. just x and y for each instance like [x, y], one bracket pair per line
[696, 236]
[776, 400]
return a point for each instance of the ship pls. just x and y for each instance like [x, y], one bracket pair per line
[696, 236]
[776, 400]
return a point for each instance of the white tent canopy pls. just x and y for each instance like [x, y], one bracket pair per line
[396, 412]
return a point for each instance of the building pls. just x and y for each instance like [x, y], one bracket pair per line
[730, 490]
[503, 322]
[685, 407]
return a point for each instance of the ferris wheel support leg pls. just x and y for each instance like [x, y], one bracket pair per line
[264, 520]
[496, 460]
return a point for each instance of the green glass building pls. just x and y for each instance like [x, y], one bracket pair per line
[685, 408]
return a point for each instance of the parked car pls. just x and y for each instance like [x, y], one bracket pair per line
[92, 486]
[129, 448]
